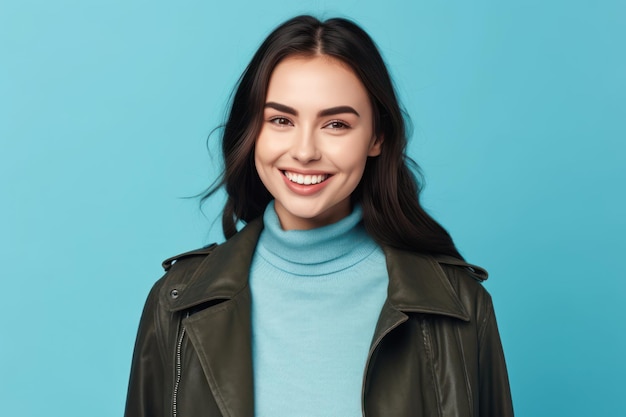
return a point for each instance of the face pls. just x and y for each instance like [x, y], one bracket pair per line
[316, 137]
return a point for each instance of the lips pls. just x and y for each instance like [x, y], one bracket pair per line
[305, 179]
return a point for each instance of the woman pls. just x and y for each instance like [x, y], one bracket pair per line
[340, 296]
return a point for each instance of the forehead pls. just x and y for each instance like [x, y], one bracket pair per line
[317, 80]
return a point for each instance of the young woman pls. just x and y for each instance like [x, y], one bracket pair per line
[341, 296]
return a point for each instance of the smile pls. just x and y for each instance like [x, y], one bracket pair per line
[305, 179]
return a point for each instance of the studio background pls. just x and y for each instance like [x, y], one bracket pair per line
[105, 109]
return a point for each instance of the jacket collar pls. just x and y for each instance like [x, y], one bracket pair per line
[222, 274]
[417, 282]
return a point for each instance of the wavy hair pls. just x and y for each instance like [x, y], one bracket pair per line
[389, 189]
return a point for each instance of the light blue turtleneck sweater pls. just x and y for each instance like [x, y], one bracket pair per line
[316, 297]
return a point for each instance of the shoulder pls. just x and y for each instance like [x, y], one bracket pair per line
[455, 266]
[467, 281]
[461, 273]
[189, 257]
[178, 269]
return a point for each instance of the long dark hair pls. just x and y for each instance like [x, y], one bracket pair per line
[389, 190]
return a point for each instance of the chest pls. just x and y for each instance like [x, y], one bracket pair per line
[417, 366]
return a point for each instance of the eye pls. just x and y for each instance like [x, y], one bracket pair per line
[337, 125]
[280, 121]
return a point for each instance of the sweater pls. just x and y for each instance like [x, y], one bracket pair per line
[316, 298]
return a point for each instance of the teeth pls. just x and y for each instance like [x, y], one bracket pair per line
[305, 179]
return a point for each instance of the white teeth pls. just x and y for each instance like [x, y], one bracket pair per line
[305, 179]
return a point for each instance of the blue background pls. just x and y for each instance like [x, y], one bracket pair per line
[105, 108]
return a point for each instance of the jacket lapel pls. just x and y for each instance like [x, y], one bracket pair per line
[221, 337]
[418, 284]
[221, 330]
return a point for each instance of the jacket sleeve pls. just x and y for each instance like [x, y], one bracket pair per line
[494, 391]
[146, 393]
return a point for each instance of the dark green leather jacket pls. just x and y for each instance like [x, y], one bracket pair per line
[435, 351]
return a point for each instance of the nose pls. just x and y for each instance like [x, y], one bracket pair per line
[304, 146]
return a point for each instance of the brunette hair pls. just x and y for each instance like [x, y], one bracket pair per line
[389, 190]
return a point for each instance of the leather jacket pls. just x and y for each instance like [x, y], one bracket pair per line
[435, 352]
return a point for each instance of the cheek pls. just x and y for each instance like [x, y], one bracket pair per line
[261, 151]
[352, 158]
[258, 158]
[265, 157]
[260, 163]
[267, 147]
[261, 168]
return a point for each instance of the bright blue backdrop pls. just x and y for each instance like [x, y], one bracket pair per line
[105, 107]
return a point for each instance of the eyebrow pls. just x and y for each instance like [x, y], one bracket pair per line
[322, 113]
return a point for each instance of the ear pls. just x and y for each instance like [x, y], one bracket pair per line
[375, 146]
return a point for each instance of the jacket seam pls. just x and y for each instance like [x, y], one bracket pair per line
[161, 340]
[468, 388]
[487, 313]
[454, 281]
[429, 352]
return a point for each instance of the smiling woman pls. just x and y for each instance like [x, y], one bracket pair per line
[341, 296]
[317, 134]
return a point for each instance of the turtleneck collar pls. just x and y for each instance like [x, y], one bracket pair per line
[315, 252]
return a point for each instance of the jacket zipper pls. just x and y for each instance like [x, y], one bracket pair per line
[369, 357]
[179, 346]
